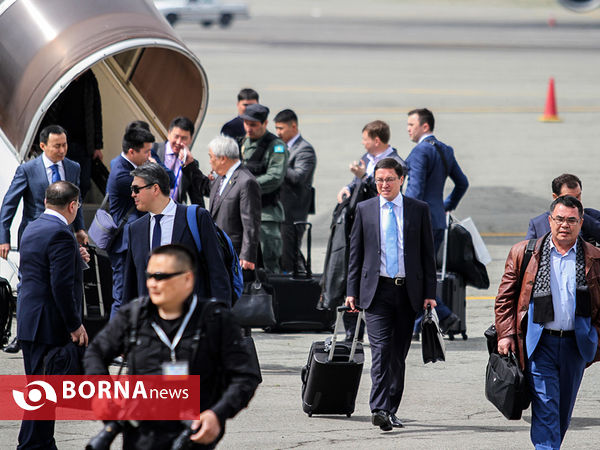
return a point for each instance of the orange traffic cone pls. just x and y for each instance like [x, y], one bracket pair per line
[550, 110]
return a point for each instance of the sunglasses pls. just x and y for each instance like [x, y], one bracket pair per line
[160, 276]
[136, 189]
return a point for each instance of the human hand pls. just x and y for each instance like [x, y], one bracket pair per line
[98, 154]
[506, 344]
[79, 336]
[358, 168]
[4, 249]
[84, 254]
[82, 237]
[351, 303]
[344, 192]
[429, 301]
[247, 265]
[185, 156]
[210, 428]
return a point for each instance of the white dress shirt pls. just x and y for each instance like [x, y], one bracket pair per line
[57, 214]
[128, 160]
[425, 136]
[166, 223]
[384, 216]
[48, 163]
[373, 160]
[228, 176]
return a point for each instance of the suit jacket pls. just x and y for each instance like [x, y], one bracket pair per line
[30, 183]
[590, 229]
[514, 307]
[215, 283]
[118, 188]
[50, 299]
[296, 192]
[370, 179]
[365, 253]
[237, 211]
[427, 176]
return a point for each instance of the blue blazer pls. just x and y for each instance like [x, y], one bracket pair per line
[118, 188]
[138, 253]
[427, 176]
[50, 299]
[365, 253]
[30, 183]
[590, 229]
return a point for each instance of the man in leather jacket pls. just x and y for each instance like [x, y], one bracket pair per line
[228, 379]
[551, 318]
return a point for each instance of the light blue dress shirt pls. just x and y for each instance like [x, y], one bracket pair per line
[563, 285]
[383, 218]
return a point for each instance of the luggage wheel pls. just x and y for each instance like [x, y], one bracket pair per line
[348, 414]
[309, 414]
[450, 336]
[464, 336]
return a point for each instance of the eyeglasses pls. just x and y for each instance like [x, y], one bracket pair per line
[389, 180]
[136, 189]
[160, 276]
[559, 220]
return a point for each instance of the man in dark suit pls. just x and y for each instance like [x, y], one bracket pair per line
[567, 184]
[235, 127]
[49, 309]
[137, 143]
[235, 204]
[297, 194]
[375, 139]
[29, 183]
[391, 275]
[166, 223]
[430, 162]
[176, 155]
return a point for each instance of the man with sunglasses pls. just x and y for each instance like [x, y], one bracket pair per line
[558, 301]
[166, 223]
[228, 379]
[137, 144]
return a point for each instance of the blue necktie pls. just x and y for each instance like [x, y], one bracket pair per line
[157, 232]
[55, 173]
[391, 242]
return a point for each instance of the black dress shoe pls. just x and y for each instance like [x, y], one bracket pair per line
[13, 347]
[381, 419]
[396, 423]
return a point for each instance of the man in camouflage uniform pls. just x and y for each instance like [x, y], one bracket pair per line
[266, 156]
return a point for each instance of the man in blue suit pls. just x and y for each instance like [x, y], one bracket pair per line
[137, 143]
[166, 223]
[429, 163]
[567, 184]
[391, 275]
[29, 183]
[556, 308]
[49, 309]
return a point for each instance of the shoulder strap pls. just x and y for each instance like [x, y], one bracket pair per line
[262, 147]
[527, 257]
[192, 220]
[434, 143]
[208, 308]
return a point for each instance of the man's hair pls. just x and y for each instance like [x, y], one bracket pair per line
[425, 116]
[61, 193]
[182, 122]
[135, 138]
[569, 201]
[572, 182]
[137, 124]
[247, 94]
[286, 116]
[153, 173]
[50, 129]
[184, 257]
[389, 163]
[378, 128]
[224, 146]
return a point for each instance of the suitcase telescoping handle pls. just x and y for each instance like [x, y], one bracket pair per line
[336, 329]
[308, 227]
[445, 246]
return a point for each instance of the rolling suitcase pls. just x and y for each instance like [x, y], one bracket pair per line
[295, 298]
[331, 376]
[97, 292]
[451, 289]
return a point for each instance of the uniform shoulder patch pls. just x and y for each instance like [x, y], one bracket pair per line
[279, 149]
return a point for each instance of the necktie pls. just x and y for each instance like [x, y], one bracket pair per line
[55, 173]
[391, 242]
[157, 232]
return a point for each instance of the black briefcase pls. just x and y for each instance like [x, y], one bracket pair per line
[506, 386]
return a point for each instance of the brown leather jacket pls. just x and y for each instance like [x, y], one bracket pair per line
[510, 315]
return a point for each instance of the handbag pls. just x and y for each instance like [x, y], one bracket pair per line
[506, 386]
[254, 309]
[103, 229]
[432, 342]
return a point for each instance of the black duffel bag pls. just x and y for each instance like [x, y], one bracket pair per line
[254, 309]
[506, 385]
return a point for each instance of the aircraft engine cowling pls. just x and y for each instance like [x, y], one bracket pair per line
[580, 5]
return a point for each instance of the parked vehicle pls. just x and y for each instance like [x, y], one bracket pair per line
[205, 12]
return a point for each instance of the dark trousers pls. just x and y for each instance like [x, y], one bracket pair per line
[438, 239]
[291, 236]
[350, 326]
[390, 320]
[35, 434]
[555, 370]
[117, 262]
